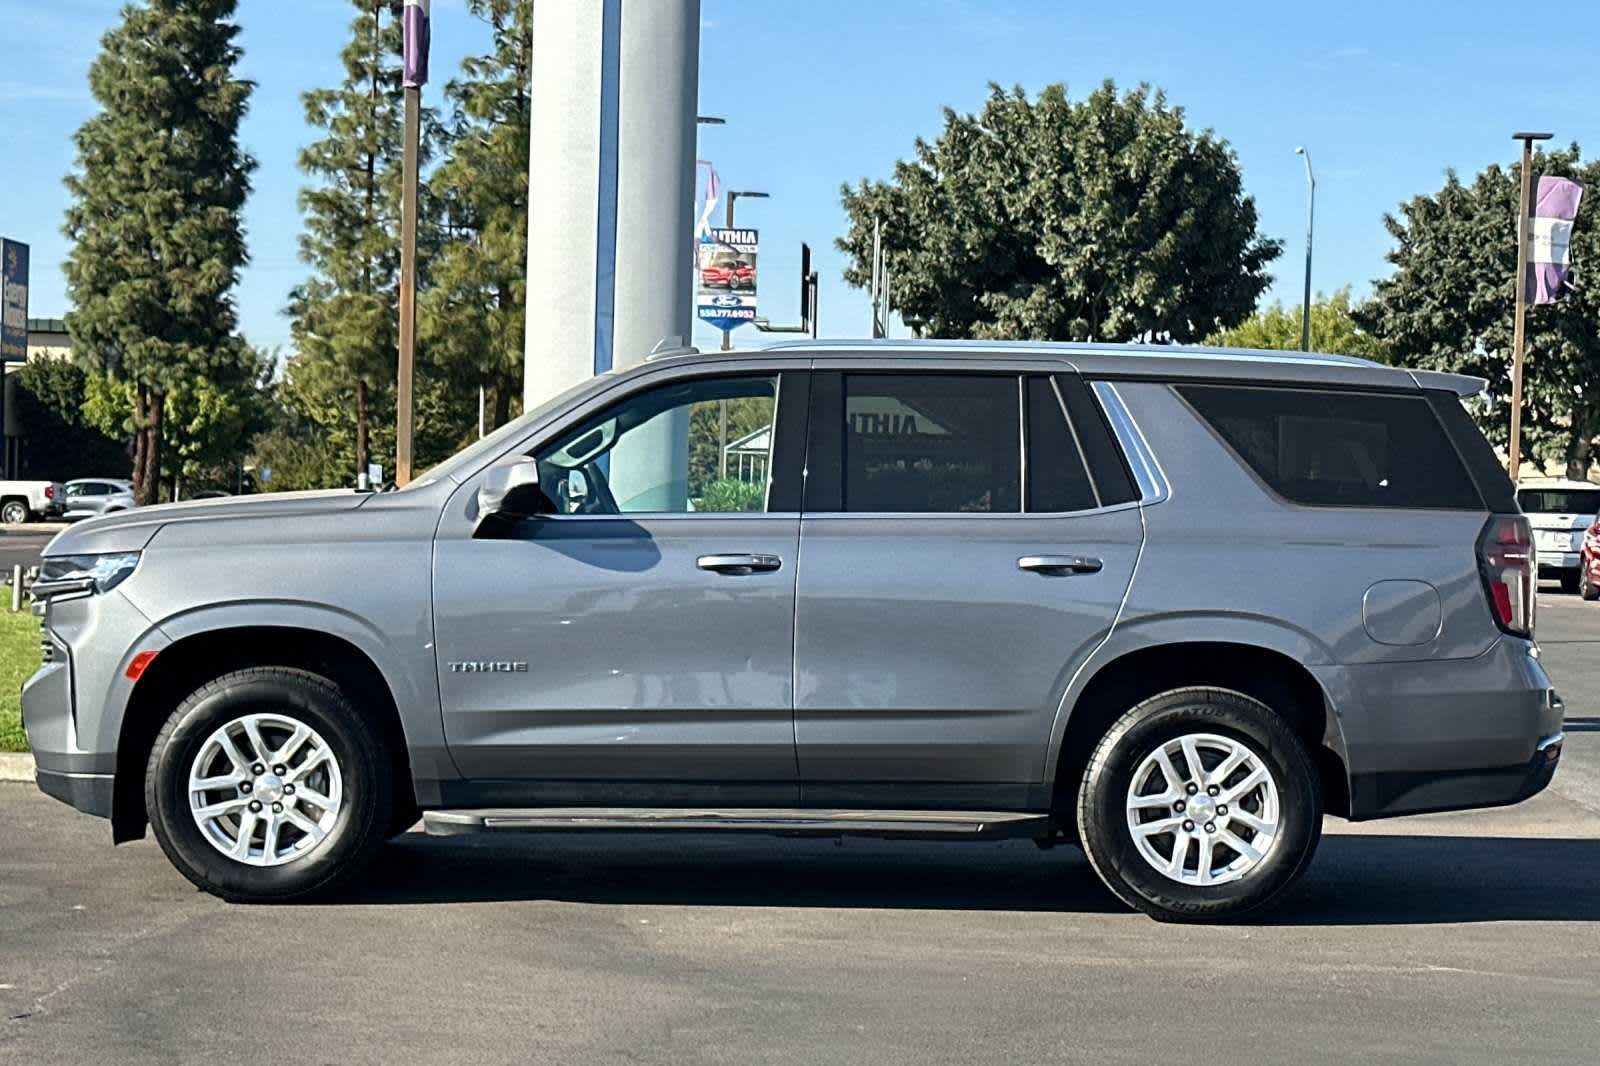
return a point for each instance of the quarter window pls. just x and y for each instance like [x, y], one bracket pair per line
[1347, 449]
[931, 443]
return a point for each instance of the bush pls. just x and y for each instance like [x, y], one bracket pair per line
[731, 494]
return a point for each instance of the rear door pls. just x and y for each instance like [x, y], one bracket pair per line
[959, 559]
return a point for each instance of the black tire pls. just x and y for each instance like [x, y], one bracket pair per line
[1103, 801]
[365, 765]
[15, 513]
[1571, 581]
[1587, 588]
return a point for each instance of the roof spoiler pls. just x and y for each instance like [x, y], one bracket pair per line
[1463, 385]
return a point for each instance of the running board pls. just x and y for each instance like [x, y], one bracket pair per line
[945, 825]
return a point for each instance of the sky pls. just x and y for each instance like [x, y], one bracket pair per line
[1386, 96]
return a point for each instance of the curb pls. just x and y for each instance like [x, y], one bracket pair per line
[15, 767]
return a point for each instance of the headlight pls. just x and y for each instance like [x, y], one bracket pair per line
[84, 573]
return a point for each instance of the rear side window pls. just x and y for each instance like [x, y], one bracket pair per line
[1057, 479]
[931, 443]
[1340, 449]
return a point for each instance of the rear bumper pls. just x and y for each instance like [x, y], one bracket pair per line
[1447, 735]
[1422, 792]
[1553, 562]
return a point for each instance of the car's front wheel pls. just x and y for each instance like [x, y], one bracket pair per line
[1199, 804]
[1586, 586]
[267, 785]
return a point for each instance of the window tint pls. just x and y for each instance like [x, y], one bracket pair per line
[1057, 478]
[1340, 448]
[931, 443]
[1111, 474]
[700, 446]
[1559, 501]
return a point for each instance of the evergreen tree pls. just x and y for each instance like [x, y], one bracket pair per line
[345, 317]
[155, 216]
[472, 317]
[1107, 219]
[1450, 305]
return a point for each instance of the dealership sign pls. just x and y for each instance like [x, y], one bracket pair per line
[13, 302]
[725, 277]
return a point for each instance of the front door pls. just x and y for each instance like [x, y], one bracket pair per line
[951, 579]
[635, 645]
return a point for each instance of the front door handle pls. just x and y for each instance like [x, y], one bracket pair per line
[1060, 565]
[739, 565]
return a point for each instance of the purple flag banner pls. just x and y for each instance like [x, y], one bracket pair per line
[1555, 206]
[415, 25]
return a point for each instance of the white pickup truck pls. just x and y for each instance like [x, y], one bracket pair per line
[23, 501]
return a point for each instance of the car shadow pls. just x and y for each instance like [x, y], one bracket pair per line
[1355, 880]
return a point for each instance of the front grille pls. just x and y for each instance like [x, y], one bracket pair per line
[47, 644]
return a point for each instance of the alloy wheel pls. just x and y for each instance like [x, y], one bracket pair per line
[265, 789]
[1203, 809]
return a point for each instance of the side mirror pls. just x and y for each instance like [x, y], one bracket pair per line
[510, 490]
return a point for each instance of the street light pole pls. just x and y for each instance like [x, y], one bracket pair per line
[1514, 450]
[733, 195]
[1311, 217]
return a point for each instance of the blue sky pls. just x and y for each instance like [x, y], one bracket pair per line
[1386, 95]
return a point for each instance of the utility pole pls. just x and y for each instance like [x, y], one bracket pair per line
[416, 41]
[1311, 215]
[1514, 451]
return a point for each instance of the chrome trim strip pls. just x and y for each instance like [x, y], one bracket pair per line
[1147, 472]
[1549, 742]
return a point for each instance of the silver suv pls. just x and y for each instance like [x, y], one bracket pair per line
[1170, 606]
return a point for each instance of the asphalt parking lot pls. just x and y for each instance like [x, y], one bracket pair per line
[1452, 938]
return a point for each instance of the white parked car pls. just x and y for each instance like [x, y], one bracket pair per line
[90, 496]
[23, 501]
[1560, 512]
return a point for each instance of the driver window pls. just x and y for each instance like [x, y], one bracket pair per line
[701, 446]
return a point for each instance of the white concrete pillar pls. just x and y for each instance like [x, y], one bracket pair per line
[611, 172]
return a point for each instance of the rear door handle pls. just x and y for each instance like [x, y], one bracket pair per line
[1060, 565]
[739, 565]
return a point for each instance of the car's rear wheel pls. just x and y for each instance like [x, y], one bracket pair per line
[1199, 804]
[1586, 586]
[267, 785]
[14, 513]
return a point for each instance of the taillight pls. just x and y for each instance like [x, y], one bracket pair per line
[49, 492]
[1591, 539]
[1510, 572]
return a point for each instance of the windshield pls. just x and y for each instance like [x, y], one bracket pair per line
[471, 455]
[1559, 501]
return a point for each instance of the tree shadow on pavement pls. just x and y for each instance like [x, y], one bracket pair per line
[1355, 880]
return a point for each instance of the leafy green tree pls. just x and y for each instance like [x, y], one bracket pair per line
[472, 316]
[58, 442]
[1450, 303]
[345, 316]
[1333, 330]
[1108, 219]
[155, 222]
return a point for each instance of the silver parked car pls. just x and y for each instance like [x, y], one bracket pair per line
[91, 496]
[1168, 605]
